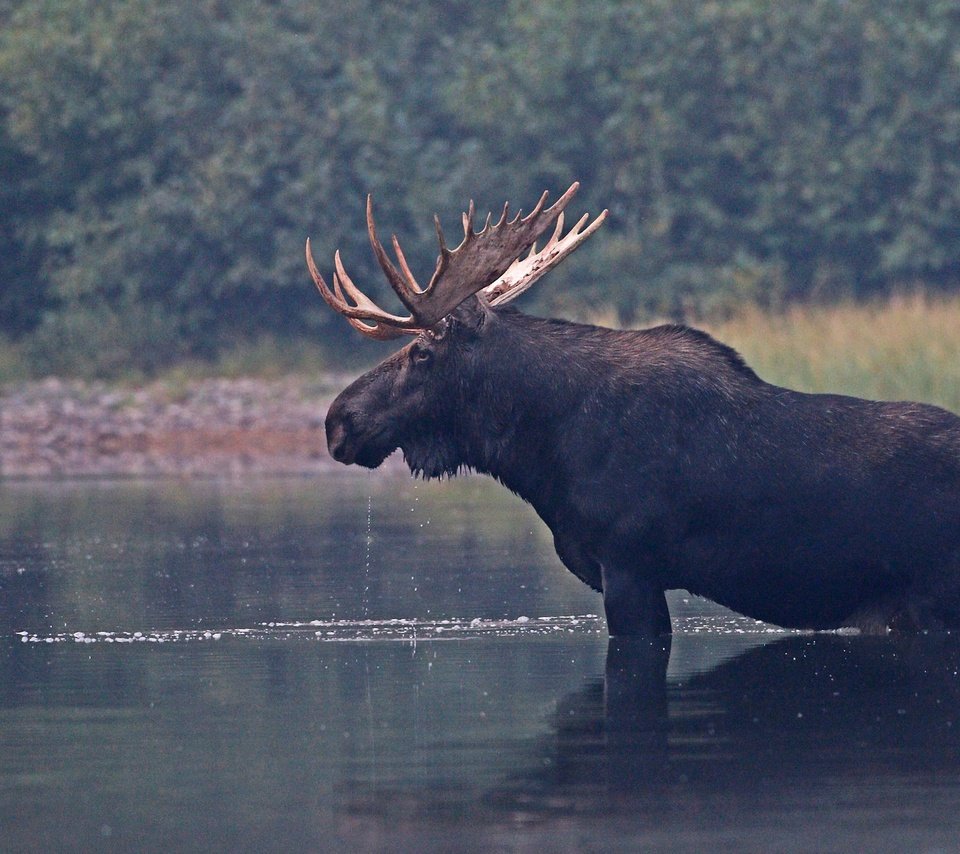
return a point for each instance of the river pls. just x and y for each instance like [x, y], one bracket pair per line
[367, 662]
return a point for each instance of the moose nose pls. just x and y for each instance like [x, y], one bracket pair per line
[338, 430]
[337, 442]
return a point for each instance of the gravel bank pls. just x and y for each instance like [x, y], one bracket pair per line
[204, 428]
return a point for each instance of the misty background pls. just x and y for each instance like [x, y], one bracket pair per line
[162, 162]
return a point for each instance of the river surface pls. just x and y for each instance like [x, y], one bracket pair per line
[364, 662]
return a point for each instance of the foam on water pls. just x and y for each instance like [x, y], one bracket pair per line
[412, 630]
[406, 629]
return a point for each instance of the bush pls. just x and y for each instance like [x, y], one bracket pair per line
[93, 342]
[158, 193]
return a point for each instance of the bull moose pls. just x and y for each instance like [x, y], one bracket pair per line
[657, 457]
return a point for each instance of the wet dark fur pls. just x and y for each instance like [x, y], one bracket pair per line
[660, 460]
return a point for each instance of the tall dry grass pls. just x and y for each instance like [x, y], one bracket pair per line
[905, 348]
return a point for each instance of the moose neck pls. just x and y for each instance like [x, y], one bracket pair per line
[522, 396]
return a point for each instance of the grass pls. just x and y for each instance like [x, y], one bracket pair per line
[13, 366]
[904, 348]
[266, 358]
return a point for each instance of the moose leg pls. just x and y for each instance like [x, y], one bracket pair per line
[634, 606]
[577, 558]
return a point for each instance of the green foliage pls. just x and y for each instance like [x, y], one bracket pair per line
[805, 149]
[162, 162]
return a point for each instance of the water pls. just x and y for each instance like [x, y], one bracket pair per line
[308, 664]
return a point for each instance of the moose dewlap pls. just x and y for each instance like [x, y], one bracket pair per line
[658, 459]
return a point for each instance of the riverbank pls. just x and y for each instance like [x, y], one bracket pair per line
[903, 348]
[201, 428]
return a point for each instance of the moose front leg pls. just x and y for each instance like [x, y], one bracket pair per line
[633, 605]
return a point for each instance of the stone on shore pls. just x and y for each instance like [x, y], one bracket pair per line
[201, 428]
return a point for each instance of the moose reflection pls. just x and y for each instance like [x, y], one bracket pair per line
[793, 719]
[657, 458]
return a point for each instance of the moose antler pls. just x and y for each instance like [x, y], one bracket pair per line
[486, 262]
[525, 271]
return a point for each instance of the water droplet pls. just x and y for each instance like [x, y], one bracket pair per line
[364, 600]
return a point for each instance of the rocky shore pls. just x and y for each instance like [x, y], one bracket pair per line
[203, 428]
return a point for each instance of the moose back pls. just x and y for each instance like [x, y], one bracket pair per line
[658, 458]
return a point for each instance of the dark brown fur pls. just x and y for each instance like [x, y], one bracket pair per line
[659, 460]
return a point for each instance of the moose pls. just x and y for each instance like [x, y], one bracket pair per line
[657, 458]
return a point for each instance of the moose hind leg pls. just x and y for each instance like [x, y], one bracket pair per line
[633, 605]
[946, 597]
[935, 605]
[909, 614]
[928, 614]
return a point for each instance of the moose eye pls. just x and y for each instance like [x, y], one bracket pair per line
[421, 355]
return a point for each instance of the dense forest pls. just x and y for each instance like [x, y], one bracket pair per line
[162, 161]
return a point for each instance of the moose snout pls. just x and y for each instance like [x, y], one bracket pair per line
[338, 434]
[359, 425]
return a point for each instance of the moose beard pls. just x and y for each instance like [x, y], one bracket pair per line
[433, 457]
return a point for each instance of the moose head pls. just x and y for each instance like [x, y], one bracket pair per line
[420, 398]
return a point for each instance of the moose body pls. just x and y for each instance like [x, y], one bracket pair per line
[659, 460]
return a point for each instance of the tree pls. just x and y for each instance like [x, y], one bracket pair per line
[162, 162]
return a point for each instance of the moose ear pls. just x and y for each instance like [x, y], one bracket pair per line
[471, 314]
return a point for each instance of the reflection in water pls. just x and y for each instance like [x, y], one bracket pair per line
[810, 743]
[148, 556]
[863, 733]
[492, 722]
